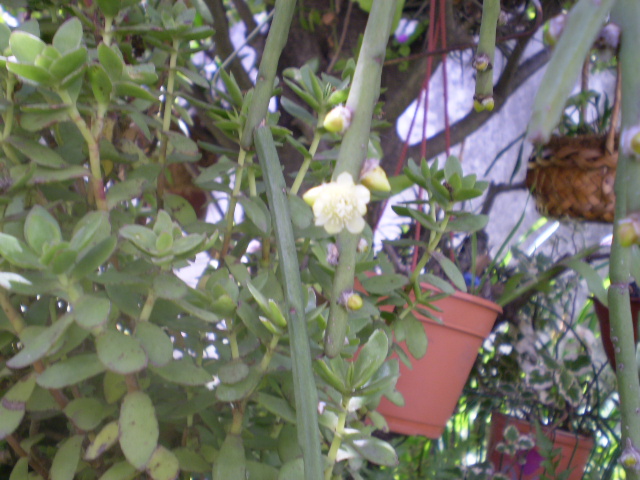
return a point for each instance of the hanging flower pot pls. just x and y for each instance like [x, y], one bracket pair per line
[602, 313]
[515, 454]
[432, 386]
[573, 177]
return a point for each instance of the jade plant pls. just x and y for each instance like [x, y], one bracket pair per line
[114, 366]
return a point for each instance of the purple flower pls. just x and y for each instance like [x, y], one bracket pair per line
[532, 462]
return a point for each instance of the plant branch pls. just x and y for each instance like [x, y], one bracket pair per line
[513, 77]
[305, 392]
[224, 47]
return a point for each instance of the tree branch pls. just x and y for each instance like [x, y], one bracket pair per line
[224, 47]
[513, 76]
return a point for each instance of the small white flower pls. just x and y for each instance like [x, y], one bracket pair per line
[339, 204]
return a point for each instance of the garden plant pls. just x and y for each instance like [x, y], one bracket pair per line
[120, 128]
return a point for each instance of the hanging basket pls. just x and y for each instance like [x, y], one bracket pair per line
[574, 176]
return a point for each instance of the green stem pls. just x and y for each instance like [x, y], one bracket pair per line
[434, 240]
[147, 308]
[168, 103]
[108, 30]
[487, 46]
[268, 355]
[313, 148]
[306, 395]
[233, 201]
[8, 114]
[15, 319]
[263, 91]
[363, 95]
[8, 118]
[94, 150]
[627, 15]
[251, 176]
[337, 439]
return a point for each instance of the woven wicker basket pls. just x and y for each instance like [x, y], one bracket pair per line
[574, 176]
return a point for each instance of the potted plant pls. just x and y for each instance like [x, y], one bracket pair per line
[435, 321]
[548, 371]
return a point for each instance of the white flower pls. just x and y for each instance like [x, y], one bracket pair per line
[339, 204]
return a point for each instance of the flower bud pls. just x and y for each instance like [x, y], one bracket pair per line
[338, 97]
[374, 177]
[351, 300]
[363, 246]
[481, 62]
[333, 254]
[630, 457]
[628, 231]
[338, 119]
[482, 104]
[630, 142]
[312, 195]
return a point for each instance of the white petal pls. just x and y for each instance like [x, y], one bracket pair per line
[344, 179]
[355, 224]
[334, 225]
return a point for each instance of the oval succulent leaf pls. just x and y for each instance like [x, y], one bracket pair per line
[138, 429]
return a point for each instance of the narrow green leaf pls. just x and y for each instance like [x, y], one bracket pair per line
[451, 271]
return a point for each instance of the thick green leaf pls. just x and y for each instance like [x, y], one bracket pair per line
[92, 311]
[71, 371]
[451, 271]
[86, 413]
[25, 46]
[190, 461]
[381, 284]
[233, 371]
[594, 281]
[31, 73]
[292, 470]
[376, 451]
[231, 461]
[37, 153]
[124, 191]
[100, 84]
[37, 348]
[69, 36]
[370, 358]
[183, 372]
[17, 252]
[256, 210]
[462, 222]
[276, 405]
[138, 429]
[156, 344]
[13, 405]
[163, 465]
[129, 89]
[94, 258]
[20, 470]
[110, 60]
[40, 229]
[169, 287]
[66, 459]
[121, 470]
[416, 338]
[104, 440]
[68, 64]
[239, 390]
[120, 353]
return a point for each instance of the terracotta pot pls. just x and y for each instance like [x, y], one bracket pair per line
[574, 451]
[432, 387]
[605, 327]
